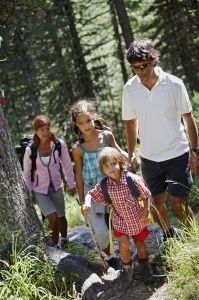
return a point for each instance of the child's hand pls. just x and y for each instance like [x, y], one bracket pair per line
[85, 209]
[32, 197]
[145, 218]
[72, 191]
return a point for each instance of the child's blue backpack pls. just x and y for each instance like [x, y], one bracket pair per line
[132, 187]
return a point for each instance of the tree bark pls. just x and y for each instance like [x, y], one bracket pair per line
[85, 87]
[124, 21]
[88, 279]
[120, 53]
[18, 215]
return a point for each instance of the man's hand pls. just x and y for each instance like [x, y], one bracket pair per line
[133, 165]
[85, 209]
[72, 191]
[194, 163]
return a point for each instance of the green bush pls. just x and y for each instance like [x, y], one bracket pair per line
[91, 254]
[194, 196]
[195, 104]
[73, 212]
[182, 262]
[30, 276]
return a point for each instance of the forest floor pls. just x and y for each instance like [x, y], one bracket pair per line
[138, 290]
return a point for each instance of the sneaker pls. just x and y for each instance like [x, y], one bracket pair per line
[172, 232]
[146, 273]
[64, 243]
[114, 263]
[57, 247]
[126, 277]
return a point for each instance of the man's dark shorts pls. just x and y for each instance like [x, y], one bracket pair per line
[173, 175]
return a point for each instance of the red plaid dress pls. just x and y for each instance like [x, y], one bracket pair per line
[126, 210]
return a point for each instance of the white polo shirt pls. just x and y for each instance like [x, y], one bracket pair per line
[159, 111]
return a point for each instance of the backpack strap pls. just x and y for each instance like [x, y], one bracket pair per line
[58, 148]
[33, 157]
[132, 187]
[135, 192]
[105, 190]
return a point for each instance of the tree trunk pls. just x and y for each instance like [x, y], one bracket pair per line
[184, 51]
[18, 215]
[85, 84]
[120, 53]
[124, 21]
[88, 279]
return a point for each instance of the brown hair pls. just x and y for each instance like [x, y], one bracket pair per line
[142, 50]
[110, 153]
[84, 107]
[38, 122]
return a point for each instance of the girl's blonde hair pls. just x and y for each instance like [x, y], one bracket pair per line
[38, 122]
[84, 107]
[110, 153]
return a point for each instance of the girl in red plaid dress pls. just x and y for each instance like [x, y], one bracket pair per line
[128, 217]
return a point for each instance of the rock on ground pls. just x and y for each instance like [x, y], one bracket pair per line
[111, 289]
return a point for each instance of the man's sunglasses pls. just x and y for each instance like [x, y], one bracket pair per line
[141, 67]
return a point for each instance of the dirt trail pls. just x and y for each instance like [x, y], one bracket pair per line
[138, 290]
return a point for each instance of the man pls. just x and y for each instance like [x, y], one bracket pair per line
[154, 104]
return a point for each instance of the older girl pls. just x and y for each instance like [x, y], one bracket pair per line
[92, 138]
[46, 186]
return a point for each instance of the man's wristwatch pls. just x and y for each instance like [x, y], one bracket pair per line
[195, 150]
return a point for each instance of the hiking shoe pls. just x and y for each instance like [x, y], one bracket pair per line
[126, 277]
[64, 243]
[57, 247]
[171, 233]
[114, 263]
[146, 272]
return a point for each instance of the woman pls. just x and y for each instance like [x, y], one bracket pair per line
[45, 184]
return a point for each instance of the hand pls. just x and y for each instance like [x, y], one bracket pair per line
[145, 220]
[133, 165]
[32, 197]
[72, 191]
[85, 209]
[194, 163]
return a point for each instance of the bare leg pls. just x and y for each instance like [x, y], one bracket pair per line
[63, 225]
[181, 208]
[141, 249]
[53, 226]
[124, 246]
[160, 213]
